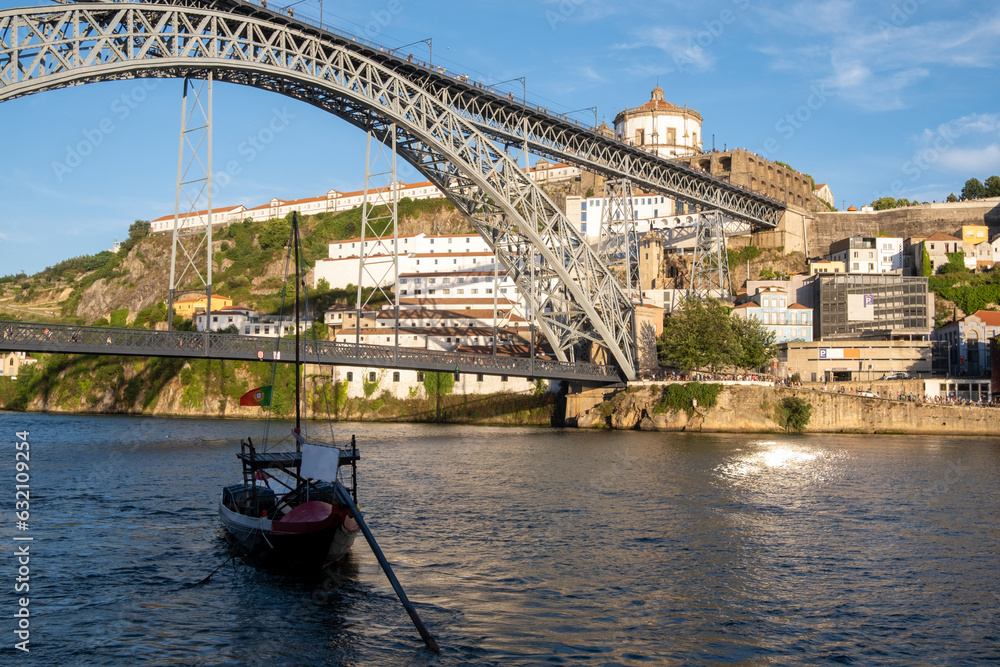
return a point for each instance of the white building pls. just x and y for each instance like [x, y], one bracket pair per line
[404, 384]
[770, 306]
[418, 253]
[335, 202]
[869, 255]
[660, 127]
[224, 318]
[650, 211]
[824, 193]
[274, 326]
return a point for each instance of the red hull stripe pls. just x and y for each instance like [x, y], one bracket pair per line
[309, 517]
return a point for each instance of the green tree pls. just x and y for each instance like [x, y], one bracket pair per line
[698, 335]
[794, 413]
[992, 186]
[956, 263]
[885, 203]
[275, 234]
[973, 189]
[926, 266]
[438, 385]
[952, 198]
[753, 344]
[119, 318]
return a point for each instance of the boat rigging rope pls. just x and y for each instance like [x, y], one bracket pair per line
[277, 339]
[326, 394]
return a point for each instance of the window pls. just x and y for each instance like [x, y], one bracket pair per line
[256, 330]
[395, 376]
[350, 376]
[479, 377]
[215, 318]
[457, 377]
[503, 378]
[371, 376]
[420, 376]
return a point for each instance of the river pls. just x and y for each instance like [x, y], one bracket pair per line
[520, 546]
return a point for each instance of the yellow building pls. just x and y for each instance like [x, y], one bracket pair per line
[11, 363]
[187, 308]
[826, 266]
[975, 234]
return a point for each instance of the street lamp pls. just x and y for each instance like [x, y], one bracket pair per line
[430, 47]
[594, 109]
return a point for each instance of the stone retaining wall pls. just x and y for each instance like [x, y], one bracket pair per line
[742, 409]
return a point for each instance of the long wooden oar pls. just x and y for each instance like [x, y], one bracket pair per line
[345, 497]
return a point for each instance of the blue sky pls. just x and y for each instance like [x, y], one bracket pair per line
[877, 98]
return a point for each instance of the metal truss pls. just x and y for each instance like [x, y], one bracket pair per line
[379, 265]
[194, 186]
[512, 122]
[710, 272]
[19, 336]
[574, 297]
[619, 244]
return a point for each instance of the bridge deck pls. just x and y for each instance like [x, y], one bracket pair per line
[26, 337]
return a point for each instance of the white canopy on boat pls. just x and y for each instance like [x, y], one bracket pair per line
[320, 462]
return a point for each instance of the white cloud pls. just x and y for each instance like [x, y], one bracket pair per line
[973, 160]
[679, 44]
[872, 57]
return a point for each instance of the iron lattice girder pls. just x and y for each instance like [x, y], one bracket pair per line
[54, 338]
[508, 120]
[574, 294]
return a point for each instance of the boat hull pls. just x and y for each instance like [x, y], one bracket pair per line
[268, 542]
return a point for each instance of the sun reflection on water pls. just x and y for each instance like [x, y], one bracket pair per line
[771, 457]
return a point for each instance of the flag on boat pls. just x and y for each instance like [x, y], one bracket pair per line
[260, 396]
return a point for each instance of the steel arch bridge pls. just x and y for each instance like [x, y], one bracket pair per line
[447, 130]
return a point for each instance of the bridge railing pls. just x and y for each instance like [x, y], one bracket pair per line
[66, 339]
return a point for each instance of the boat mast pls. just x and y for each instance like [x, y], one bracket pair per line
[298, 389]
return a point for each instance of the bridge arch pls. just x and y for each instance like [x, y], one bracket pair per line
[573, 295]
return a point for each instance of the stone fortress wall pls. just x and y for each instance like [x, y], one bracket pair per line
[825, 228]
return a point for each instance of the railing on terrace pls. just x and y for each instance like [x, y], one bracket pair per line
[53, 338]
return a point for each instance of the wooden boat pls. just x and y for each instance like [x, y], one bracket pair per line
[281, 517]
[313, 520]
[308, 518]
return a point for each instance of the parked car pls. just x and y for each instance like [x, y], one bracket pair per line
[868, 394]
[902, 375]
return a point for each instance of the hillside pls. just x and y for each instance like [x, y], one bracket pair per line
[130, 286]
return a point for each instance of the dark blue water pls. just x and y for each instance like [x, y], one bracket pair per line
[520, 546]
